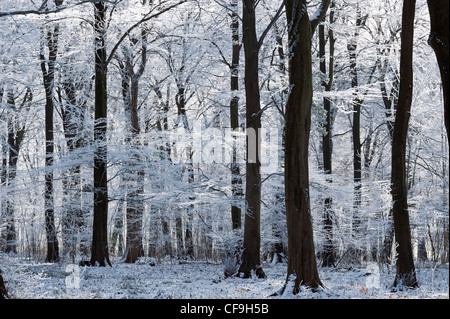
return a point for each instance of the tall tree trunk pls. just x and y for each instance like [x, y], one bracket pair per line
[48, 72]
[301, 255]
[9, 235]
[252, 234]
[356, 139]
[327, 146]
[182, 117]
[236, 180]
[233, 248]
[406, 275]
[439, 41]
[11, 156]
[99, 248]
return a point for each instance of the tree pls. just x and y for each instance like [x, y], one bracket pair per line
[3, 291]
[11, 148]
[327, 143]
[48, 73]
[233, 249]
[252, 234]
[301, 255]
[357, 102]
[99, 248]
[130, 90]
[406, 275]
[439, 41]
[236, 179]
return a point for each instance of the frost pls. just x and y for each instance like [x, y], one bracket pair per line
[198, 280]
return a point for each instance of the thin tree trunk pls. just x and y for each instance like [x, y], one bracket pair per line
[12, 153]
[236, 180]
[327, 146]
[406, 275]
[48, 72]
[11, 157]
[233, 248]
[356, 139]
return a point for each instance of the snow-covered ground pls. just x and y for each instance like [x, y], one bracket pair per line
[200, 280]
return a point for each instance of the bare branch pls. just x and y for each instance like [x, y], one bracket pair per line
[319, 15]
[147, 17]
[274, 19]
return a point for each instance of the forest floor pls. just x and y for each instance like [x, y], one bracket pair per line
[27, 279]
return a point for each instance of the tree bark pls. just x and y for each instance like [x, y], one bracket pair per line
[301, 255]
[99, 248]
[11, 155]
[406, 275]
[236, 180]
[3, 291]
[356, 139]
[48, 72]
[327, 144]
[252, 235]
[439, 41]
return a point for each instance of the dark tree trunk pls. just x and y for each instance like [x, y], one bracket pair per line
[3, 291]
[301, 255]
[48, 72]
[252, 234]
[11, 156]
[327, 145]
[181, 108]
[232, 248]
[99, 249]
[236, 181]
[356, 139]
[439, 41]
[406, 275]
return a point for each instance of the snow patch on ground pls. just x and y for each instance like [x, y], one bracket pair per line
[27, 279]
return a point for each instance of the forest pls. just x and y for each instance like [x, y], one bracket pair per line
[281, 149]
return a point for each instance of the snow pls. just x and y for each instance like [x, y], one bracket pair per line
[27, 279]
